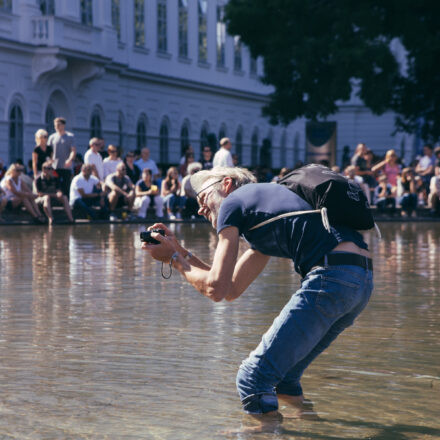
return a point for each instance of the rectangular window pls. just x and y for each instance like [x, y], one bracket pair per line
[116, 17]
[221, 36]
[86, 12]
[183, 28]
[162, 45]
[139, 23]
[47, 7]
[203, 31]
[253, 66]
[237, 54]
[6, 5]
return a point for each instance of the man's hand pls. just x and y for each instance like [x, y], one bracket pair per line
[168, 244]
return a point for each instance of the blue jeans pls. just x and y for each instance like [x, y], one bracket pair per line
[173, 202]
[328, 301]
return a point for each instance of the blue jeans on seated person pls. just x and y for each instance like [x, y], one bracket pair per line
[85, 207]
[408, 202]
[328, 301]
[174, 202]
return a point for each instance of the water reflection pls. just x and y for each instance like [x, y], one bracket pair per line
[95, 344]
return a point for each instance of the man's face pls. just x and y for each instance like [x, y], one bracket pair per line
[87, 172]
[96, 146]
[227, 145]
[121, 170]
[427, 151]
[59, 126]
[145, 153]
[210, 199]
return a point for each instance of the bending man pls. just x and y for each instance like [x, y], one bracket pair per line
[336, 270]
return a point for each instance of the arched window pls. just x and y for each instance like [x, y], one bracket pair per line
[47, 7]
[164, 142]
[95, 125]
[183, 28]
[254, 148]
[86, 12]
[48, 119]
[141, 133]
[184, 137]
[239, 144]
[15, 133]
[121, 126]
[204, 136]
[222, 132]
[283, 157]
[237, 54]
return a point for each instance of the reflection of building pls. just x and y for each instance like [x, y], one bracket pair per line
[137, 72]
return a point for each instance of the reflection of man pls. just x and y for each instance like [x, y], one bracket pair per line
[335, 266]
[223, 157]
[64, 152]
[85, 192]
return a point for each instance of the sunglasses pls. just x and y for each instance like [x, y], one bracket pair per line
[112, 151]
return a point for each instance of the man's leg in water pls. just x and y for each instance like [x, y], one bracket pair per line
[304, 328]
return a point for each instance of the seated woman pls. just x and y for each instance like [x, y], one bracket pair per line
[170, 192]
[384, 197]
[147, 194]
[18, 194]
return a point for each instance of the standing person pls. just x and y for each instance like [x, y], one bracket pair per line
[223, 157]
[170, 192]
[92, 157]
[145, 162]
[133, 171]
[147, 194]
[111, 162]
[17, 192]
[42, 152]
[49, 192]
[206, 159]
[335, 266]
[64, 152]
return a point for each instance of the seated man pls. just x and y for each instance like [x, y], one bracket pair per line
[49, 191]
[146, 194]
[121, 189]
[85, 192]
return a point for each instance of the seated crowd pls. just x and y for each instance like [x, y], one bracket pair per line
[107, 186]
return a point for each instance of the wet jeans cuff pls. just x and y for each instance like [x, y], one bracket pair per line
[260, 403]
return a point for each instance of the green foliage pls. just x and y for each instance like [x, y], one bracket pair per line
[316, 53]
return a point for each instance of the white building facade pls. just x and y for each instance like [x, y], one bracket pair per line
[156, 73]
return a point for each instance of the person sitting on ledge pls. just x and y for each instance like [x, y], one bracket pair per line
[121, 190]
[147, 194]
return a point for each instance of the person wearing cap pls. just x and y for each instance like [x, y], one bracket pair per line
[336, 284]
[223, 157]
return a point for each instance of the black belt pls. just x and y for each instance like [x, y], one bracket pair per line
[345, 259]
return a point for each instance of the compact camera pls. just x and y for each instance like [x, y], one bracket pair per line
[147, 238]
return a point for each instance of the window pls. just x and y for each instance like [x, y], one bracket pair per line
[203, 31]
[221, 36]
[296, 149]
[15, 134]
[162, 44]
[184, 137]
[183, 28]
[47, 7]
[237, 54]
[49, 117]
[222, 132]
[6, 5]
[163, 142]
[239, 145]
[139, 24]
[283, 158]
[116, 17]
[253, 66]
[254, 149]
[141, 133]
[95, 125]
[204, 136]
[86, 12]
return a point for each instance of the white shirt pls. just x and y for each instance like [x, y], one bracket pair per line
[110, 166]
[150, 164]
[9, 194]
[93, 158]
[223, 158]
[80, 182]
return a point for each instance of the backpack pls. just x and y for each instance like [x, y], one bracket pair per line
[339, 200]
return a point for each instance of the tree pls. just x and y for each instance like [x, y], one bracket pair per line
[316, 53]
